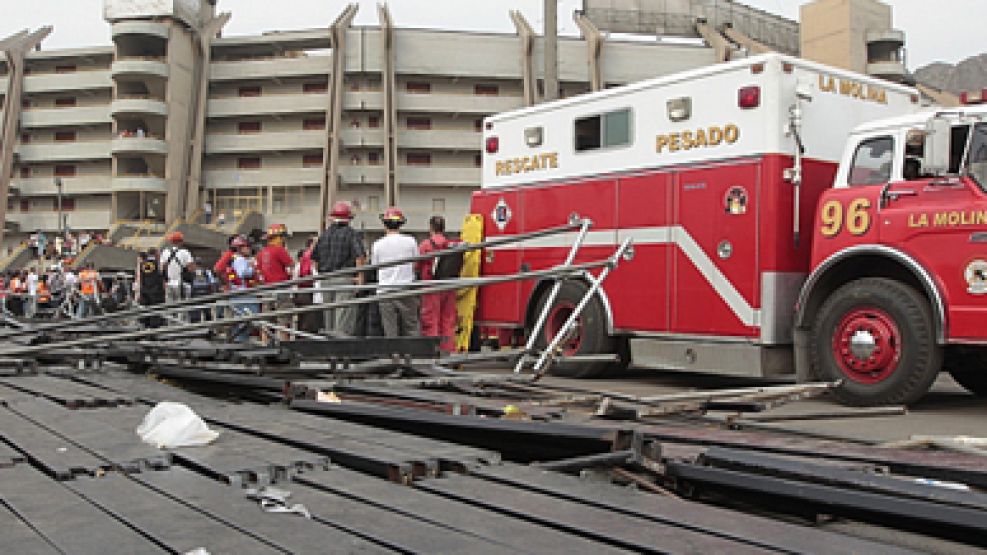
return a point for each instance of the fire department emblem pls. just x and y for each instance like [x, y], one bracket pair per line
[976, 277]
[735, 201]
[501, 214]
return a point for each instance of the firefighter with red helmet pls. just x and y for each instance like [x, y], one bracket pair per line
[339, 247]
[275, 266]
[398, 317]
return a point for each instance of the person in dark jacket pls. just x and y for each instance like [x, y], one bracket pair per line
[339, 247]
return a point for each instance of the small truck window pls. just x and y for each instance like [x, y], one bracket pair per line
[602, 131]
[872, 162]
[977, 157]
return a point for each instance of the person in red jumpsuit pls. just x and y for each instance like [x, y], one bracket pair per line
[438, 312]
[275, 265]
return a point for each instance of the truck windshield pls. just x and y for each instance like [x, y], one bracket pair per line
[976, 164]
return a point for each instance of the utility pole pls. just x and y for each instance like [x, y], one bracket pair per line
[551, 49]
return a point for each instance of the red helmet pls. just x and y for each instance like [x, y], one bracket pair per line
[342, 210]
[239, 241]
[176, 237]
[393, 214]
[275, 230]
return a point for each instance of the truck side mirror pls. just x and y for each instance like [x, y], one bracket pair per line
[935, 155]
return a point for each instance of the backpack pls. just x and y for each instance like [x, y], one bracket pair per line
[151, 278]
[188, 276]
[202, 284]
[447, 266]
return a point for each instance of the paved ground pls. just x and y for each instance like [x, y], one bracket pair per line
[947, 410]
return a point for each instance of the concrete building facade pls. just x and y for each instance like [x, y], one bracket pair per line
[853, 34]
[282, 123]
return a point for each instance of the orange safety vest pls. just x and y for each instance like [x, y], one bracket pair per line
[87, 282]
[44, 295]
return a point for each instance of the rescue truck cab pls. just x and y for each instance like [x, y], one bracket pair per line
[788, 219]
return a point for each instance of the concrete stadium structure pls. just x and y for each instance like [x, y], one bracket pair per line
[282, 123]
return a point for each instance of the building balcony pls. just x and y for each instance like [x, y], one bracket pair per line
[48, 221]
[413, 175]
[363, 100]
[228, 178]
[264, 141]
[138, 105]
[463, 103]
[140, 67]
[270, 68]
[139, 145]
[440, 139]
[64, 151]
[886, 36]
[59, 117]
[438, 175]
[139, 182]
[81, 80]
[894, 71]
[77, 185]
[268, 104]
[354, 137]
[137, 27]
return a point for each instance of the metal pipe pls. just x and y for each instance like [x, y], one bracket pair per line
[596, 283]
[557, 271]
[291, 282]
[543, 315]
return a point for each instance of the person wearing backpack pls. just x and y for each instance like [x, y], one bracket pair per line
[150, 285]
[438, 310]
[178, 268]
[203, 283]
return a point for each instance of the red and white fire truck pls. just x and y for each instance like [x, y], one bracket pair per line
[787, 218]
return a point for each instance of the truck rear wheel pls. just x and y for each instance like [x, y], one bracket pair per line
[969, 369]
[590, 336]
[877, 336]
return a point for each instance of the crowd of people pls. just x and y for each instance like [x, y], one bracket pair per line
[173, 273]
[60, 291]
[62, 248]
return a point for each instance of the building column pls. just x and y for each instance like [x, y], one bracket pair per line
[15, 48]
[330, 152]
[526, 38]
[389, 86]
[551, 33]
[207, 32]
[720, 45]
[594, 46]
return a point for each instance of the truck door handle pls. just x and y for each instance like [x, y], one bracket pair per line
[894, 195]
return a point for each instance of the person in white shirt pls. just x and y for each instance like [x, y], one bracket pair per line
[176, 260]
[31, 307]
[398, 317]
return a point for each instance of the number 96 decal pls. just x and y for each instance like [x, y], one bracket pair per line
[856, 218]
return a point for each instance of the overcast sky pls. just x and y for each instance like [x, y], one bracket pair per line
[933, 32]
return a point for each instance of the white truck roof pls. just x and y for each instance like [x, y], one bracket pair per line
[689, 117]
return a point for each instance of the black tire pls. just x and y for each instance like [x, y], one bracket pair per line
[591, 338]
[905, 359]
[969, 369]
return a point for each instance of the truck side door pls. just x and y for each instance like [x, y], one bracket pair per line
[942, 223]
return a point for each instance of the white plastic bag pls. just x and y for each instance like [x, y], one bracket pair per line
[174, 425]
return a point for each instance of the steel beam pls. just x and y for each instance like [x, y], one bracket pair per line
[526, 40]
[551, 16]
[15, 48]
[720, 45]
[751, 45]
[334, 111]
[389, 86]
[594, 47]
[206, 33]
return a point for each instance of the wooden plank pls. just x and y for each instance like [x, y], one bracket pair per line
[59, 457]
[620, 530]
[767, 533]
[289, 532]
[17, 536]
[72, 524]
[520, 535]
[173, 524]
[97, 433]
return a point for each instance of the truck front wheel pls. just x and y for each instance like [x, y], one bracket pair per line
[877, 336]
[589, 337]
